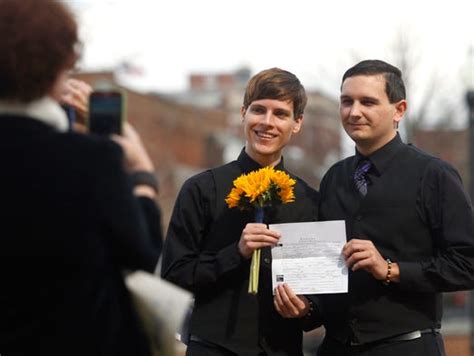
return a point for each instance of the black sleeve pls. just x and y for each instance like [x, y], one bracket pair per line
[185, 262]
[152, 213]
[125, 226]
[449, 213]
[314, 319]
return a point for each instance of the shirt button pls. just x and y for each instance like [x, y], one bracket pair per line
[359, 217]
[353, 321]
[266, 260]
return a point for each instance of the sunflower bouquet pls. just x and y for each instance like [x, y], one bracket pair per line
[256, 190]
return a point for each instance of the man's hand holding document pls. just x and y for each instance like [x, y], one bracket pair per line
[308, 257]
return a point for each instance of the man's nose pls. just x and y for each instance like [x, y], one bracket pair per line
[268, 118]
[355, 110]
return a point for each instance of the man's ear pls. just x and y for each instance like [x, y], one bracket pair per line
[400, 110]
[242, 112]
[298, 123]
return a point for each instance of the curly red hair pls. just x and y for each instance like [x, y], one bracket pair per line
[38, 39]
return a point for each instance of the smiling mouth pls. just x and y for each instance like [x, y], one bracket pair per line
[357, 125]
[264, 135]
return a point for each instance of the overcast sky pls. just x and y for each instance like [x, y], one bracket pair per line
[316, 40]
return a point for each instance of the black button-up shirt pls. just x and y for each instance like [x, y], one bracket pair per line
[417, 214]
[201, 254]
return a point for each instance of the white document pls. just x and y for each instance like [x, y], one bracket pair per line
[308, 257]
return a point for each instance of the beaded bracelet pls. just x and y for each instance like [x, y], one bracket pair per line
[310, 310]
[389, 271]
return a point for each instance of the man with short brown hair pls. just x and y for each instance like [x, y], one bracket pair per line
[209, 245]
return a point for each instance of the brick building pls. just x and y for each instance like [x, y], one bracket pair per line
[310, 152]
[188, 132]
[178, 137]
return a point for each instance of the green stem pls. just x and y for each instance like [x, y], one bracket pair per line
[255, 264]
[254, 272]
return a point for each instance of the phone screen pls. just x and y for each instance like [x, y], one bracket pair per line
[106, 112]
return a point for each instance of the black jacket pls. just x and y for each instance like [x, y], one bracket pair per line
[70, 226]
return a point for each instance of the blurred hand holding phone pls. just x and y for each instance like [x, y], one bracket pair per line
[103, 111]
[75, 102]
[106, 112]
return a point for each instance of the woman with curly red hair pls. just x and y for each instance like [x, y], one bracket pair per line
[71, 223]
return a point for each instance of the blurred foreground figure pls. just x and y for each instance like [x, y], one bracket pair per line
[71, 223]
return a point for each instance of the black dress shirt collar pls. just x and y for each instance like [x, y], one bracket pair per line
[381, 158]
[247, 164]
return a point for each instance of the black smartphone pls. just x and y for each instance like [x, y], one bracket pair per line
[106, 112]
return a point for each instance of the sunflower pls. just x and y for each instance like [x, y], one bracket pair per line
[261, 188]
[284, 185]
[258, 189]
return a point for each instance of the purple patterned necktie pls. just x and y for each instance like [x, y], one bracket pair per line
[360, 176]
